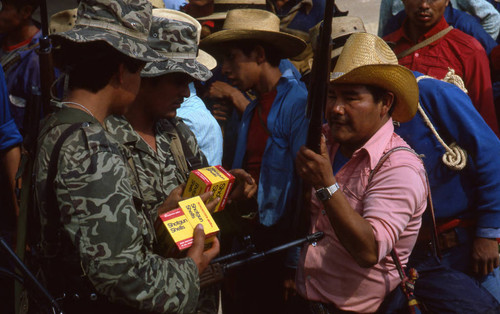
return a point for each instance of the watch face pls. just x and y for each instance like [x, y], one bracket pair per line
[323, 194]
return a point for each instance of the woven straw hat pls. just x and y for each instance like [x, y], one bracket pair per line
[221, 7]
[175, 35]
[253, 24]
[123, 24]
[367, 60]
[157, 3]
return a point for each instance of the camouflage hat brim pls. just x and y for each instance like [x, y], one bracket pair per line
[189, 66]
[128, 45]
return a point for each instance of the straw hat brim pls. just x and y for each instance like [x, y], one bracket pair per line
[287, 45]
[394, 78]
[128, 45]
[213, 16]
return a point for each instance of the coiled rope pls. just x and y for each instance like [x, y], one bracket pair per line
[455, 157]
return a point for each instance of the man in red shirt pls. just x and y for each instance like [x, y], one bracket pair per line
[453, 49]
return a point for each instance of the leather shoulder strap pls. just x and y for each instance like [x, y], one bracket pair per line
[424, 43]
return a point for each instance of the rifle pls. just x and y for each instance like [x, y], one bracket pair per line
[316, 100]
[218, 267]
[39, 102]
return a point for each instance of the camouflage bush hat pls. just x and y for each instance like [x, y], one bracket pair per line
[123, 24]
[175, 35]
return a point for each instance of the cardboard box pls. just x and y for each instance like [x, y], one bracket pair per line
[181, 222]
[215, 179]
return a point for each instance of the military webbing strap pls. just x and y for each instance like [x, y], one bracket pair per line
[183, 155]
[77, 119]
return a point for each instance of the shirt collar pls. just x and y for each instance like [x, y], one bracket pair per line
[374, 147]
[442, 24]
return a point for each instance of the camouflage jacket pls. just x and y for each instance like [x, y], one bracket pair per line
[157, 171]
[101, 210]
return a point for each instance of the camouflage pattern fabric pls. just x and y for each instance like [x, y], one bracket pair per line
[178, 42]
[158, 176]
[99, 203]
[157, 172]
[124, 24]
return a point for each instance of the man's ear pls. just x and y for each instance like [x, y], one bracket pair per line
[388, 101]
[260, 54]
[118, 78]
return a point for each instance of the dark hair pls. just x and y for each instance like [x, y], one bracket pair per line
[378, 93]
[247, 46]
[91, 66]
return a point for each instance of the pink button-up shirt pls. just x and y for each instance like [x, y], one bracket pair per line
[393, 203]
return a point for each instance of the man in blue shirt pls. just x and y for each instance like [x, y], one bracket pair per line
[272, 129]
[10, 155]
[19, 36]
[467, 200]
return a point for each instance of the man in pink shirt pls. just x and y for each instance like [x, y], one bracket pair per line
[350, 269]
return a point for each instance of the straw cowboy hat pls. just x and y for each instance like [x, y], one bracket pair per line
[253, 24]
[123, 24]
[367, 60]
[221, 7]
[175, 35]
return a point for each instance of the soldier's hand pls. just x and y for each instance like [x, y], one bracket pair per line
[196, 252]
[172, 201]
[209, 204]
[484, 256]
[245, 186]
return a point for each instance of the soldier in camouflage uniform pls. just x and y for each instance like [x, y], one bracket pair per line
[103, 257]
[163, 148]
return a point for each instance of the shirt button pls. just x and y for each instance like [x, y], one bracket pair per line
[417, 54]
[323, 212]
[308, 277]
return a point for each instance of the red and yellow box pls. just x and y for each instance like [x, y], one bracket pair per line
[181, 222]
[215, 179]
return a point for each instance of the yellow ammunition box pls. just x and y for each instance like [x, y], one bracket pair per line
[215, 179]
[181, 222]
[179, 228]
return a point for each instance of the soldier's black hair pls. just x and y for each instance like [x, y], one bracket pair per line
[378, 93]
[91, 66]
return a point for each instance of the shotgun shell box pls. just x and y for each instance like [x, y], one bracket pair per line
[215, 179]
[181, 222]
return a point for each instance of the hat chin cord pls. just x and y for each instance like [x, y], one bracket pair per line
[455, 157]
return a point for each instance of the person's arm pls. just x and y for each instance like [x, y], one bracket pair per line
[395, 196]
[455, 115]
[94, 192]
[487, 14]
[477, 79]
[10, 163]
[223, 90]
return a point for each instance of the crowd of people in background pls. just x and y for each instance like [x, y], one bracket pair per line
[145, 91]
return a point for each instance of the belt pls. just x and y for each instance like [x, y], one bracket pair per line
[447, 234]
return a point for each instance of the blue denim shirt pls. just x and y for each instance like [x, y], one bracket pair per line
[9, 134]
[473, 192]
[278, 184]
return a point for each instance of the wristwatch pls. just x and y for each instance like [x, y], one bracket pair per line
[324, 194]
